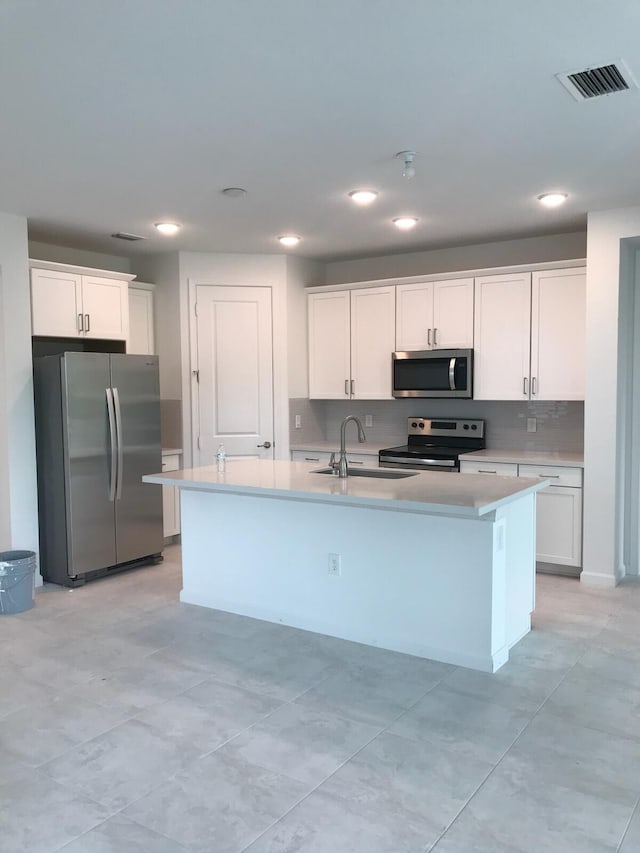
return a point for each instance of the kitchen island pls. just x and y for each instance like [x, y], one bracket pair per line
[437, 565]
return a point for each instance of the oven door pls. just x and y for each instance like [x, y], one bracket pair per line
[433, 373]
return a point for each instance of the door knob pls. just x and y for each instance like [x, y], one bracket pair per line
[267, 445]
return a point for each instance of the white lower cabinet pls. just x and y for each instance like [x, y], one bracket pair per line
[558, 514]
[322, 457]
[170, 498]
[558, 507]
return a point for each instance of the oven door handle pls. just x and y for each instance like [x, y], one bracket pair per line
[452, 373]
[398, 460]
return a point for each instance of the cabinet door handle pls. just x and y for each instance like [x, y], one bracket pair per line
[355, 461]
[524, 386]
[534, 385]
[88, 325]
[435, 337]
[311, 459]
[353, 387]
[346, 387]
[486, 471]
[80, 324]
[549, 476]
[428, 337]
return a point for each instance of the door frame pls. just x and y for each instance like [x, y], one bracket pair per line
[279, 361]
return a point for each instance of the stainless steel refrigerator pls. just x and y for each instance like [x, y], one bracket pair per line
[97, 434]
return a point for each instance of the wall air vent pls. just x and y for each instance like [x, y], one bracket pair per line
[123, 235]
[594, 82]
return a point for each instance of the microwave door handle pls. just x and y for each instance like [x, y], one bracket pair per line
[452, 373]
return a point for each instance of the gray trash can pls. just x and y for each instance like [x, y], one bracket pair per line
[17, 569]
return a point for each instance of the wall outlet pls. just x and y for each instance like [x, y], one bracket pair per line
[298, 422]
[368, 420]
[532, 425]
[334, 564]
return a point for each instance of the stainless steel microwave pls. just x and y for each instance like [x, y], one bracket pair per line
[433, 373]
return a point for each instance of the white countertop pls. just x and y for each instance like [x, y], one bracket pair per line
[432, 492]
[528, 457]
[172, 451]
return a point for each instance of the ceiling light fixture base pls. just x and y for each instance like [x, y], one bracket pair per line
[407, 157]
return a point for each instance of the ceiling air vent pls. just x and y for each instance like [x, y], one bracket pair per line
[594, 82]
[123, 235]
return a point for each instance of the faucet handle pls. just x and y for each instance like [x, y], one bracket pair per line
[332, 460]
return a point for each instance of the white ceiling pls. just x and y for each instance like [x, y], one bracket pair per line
[116, 114]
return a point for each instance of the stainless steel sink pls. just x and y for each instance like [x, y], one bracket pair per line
[377, 473]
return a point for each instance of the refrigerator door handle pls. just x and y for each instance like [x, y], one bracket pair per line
[112, 444]
[116, 400]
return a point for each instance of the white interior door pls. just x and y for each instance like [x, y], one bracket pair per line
[235, 364]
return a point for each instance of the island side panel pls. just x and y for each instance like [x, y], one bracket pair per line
[410, 582]
[519, 519]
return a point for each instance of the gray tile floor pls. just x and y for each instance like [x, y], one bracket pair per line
[130, 722]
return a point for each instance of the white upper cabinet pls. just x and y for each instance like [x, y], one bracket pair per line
[373, 333]
[329, 345]
[105, 305]
[435, 315]
[530, 336]
[558, 321]
[502, 337]
[73, 302]
[351, 338]
[56, 303]
[141, 340]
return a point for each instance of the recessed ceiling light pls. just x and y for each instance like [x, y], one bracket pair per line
[168, 228]
[405, 223]
[289, 240]
[363, 196]
[233, 192]
[553, 199]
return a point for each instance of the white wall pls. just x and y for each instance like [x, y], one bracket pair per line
[79, 257]
[301, 272]
[605, 448]
[18, 484]
[530, 250]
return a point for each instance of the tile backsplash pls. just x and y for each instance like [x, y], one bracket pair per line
[560, 425]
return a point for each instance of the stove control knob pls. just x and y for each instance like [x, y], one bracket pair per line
[414, 424]
[466, 426]
[421, 424]
[474, 426]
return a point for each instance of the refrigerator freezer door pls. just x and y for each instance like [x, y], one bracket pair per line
[138, 505]
[91, 541]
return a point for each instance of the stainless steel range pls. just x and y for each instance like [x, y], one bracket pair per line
[435, 445]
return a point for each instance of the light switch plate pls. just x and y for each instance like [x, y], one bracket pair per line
[532, 425]
[298, 422]
[368, 420]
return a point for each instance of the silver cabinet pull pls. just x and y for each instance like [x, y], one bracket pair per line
[80, 323]
[266, 445]
[311, 459]
[88, 329]
[346, 387]
[355, 461]
[428, 337]
[549, 476]
[486, 471]
[524, 386]
[435, 337]
[353, 387]
[534, 385]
